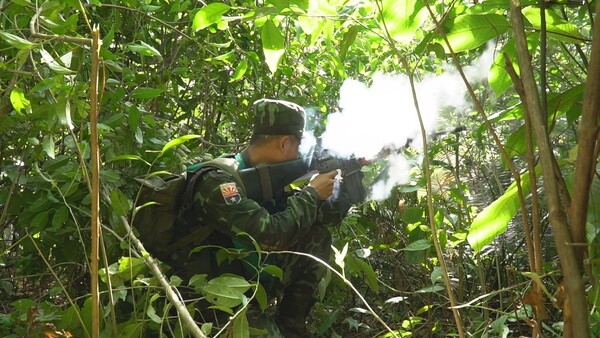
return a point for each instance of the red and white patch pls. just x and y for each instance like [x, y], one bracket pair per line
[230, 193]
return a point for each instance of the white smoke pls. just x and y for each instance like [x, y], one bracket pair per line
[384, 115]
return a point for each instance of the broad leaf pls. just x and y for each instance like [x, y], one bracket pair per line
[493, 220]
[19, 101]
[498, 76]
[369, 273]
[48, 145]
[348, 40]
[470, 31]
[16, 41]
[209, 15]
[120, 203]
[240, 70]
[146, 93]
[402, 18]
[241, 329]
[178, 141]
[556, 26]
[226, 291]
[144, 49]
[418, 245]
[54, 65]
[273, 45]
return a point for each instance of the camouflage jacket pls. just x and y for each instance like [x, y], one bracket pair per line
[221, 203]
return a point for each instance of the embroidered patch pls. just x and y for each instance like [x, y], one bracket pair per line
[230, 193]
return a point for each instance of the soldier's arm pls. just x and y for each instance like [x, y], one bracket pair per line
[224, 207]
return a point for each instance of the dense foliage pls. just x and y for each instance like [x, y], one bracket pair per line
[475, 228]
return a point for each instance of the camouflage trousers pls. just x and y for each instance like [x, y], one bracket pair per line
[301, 273]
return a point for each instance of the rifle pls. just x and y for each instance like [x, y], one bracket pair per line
[265, 182]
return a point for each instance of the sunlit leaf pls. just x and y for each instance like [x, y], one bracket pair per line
[54, 65]
[402, 18]
[470, 31]
[19, 101]
[557, 27]
[178, 141]
[144, 49]
[209, 15]
[64, 112]
[493, 220]
[498, 77]
[16, 41]
[273, 45]
[240, 70]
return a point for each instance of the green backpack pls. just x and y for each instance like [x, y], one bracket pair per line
[166, 202]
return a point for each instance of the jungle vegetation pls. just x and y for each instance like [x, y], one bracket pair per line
[496, 234]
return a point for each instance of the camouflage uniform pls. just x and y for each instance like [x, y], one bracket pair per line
[290, 225]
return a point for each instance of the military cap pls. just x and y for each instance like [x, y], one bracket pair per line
[277, 117]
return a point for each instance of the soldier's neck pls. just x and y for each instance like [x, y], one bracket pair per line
[257, 155]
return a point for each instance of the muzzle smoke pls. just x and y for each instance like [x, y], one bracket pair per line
[384, 115]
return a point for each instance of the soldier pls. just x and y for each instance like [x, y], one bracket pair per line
[289, 225]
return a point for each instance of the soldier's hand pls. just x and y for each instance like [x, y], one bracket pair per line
[323, 184]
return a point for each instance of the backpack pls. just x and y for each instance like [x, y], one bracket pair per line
[166, 202]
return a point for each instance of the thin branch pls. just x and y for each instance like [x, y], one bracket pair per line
[576, 320]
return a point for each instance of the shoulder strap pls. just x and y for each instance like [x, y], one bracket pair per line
[226, 164]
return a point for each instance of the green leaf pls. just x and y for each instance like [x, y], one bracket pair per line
[128, 157]
[120, 203]
[418, 245]
[146, 93]
[412, 215]
[369, 274]
[273, 45]
[557, 27]
[402, 18]
[328, 322]
[274, 271]
[498, 77]
[241, 329]
[64, 112]
[178, 141]
[227, 291]
[209, 15]
[348, 40]
[144, 49]
[48, 145]
[131, 330]
[493, 220]
[261, 297]
[240, 70]
[470, 31]
[54, 65]
[151, 312]
[60, 217]
[432, 288]
[19, 101]
[16, 41]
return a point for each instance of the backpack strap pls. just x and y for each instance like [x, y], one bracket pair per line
[226, 164]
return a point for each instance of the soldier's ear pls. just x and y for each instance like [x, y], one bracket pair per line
[282, 143]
